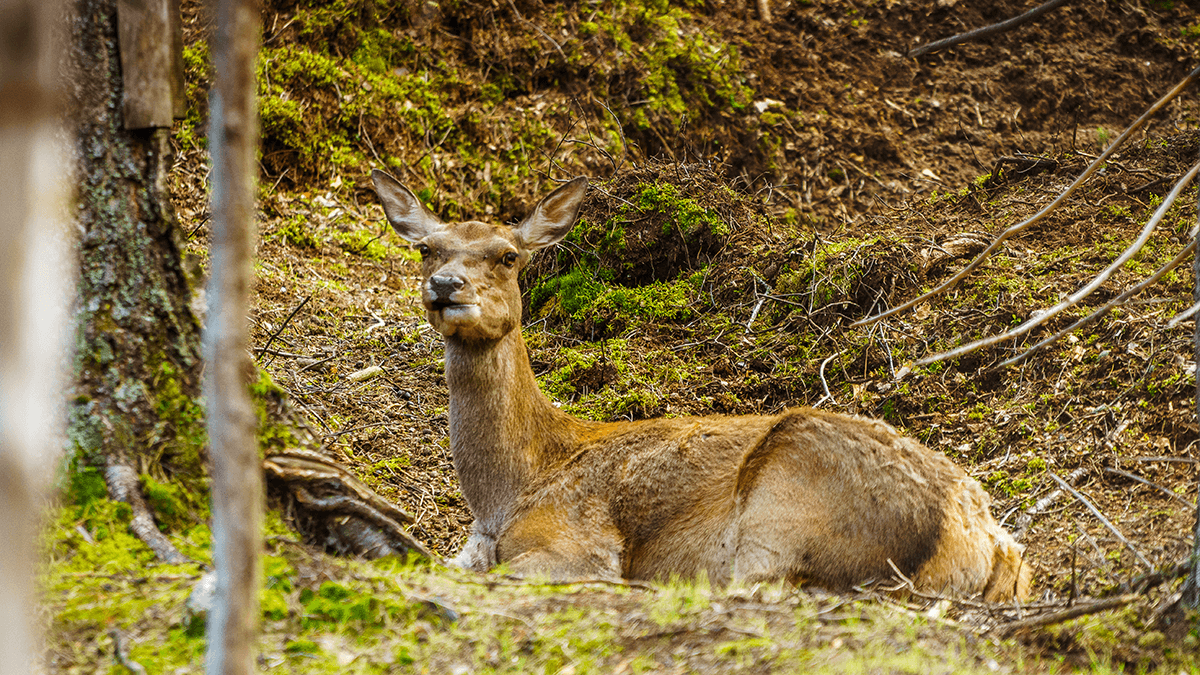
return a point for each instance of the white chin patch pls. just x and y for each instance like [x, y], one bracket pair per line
[456, 317]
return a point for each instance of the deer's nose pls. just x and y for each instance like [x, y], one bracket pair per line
[443, 286]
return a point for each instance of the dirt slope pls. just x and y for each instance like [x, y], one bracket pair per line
[851, 178]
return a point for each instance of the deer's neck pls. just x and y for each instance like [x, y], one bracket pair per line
[503, 430]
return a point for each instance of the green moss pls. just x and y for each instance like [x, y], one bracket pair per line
[684, 66]
[180, 435]
[580, 295]
[391, 614]
[602, 238]
[659, 301]
[297, 232]
[682, 213]
[575, 291]
[272, 434]
[366, 244]
[84, 482]
[363, 86]
[189, 131]
[174, 507]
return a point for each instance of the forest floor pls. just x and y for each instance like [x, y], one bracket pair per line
[812, 177]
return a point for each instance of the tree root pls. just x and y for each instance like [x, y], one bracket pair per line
[123, 486]
[121, 653]
[334, 509]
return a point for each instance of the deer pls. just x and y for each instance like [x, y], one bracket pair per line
[805, 496]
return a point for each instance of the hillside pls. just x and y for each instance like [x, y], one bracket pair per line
[757, 189]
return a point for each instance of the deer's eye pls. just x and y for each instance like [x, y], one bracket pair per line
[423, 250]
[509, 259]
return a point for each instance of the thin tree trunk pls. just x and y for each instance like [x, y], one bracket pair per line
[33, 299]
[1190, 596]
[237, 471]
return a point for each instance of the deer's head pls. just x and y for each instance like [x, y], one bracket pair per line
[470, 268]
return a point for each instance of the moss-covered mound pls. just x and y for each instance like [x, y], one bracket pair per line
[643, 247]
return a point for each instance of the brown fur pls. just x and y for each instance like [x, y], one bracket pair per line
[805, 495]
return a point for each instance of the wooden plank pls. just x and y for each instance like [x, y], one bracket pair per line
[144, 35]
[178, 93]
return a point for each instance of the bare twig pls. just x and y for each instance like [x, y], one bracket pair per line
[1037, 217]
[1096, 512]
[907, 582]
[283, 325]
[821, 372]
[1156, 486]
[980, 33]
[621, 131]
[1042, 317]
[1107, 307]
[1026, 518]
[538, 28]
[1185, 315]
[1068, 614]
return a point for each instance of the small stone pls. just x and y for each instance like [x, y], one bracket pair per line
[203, 595]
[364, 374]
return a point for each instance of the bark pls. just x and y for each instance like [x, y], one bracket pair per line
[237, 471]
[137, 362]
[32, 290]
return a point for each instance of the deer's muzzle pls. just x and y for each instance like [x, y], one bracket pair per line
[442, 289]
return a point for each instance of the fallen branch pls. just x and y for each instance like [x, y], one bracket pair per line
[327, 492]
[1156, 486]
[980, 33]
[764, 10]
[1180, 460]
[1184, 315]
[1026, 519]
[1067, 614]
[1108, 306]
[1042, 317]
[1096, 512]
[1040, 215]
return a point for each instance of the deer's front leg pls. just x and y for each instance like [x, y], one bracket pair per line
[478, 554]
[546, 542]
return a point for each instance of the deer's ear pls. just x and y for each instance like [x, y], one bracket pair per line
[554, 216]
[405, 212]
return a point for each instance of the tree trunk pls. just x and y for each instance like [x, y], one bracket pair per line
[1190, 595]
[237, 471]
[137, 362]
[33, 298]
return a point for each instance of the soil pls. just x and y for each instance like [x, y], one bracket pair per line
[881, 183]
